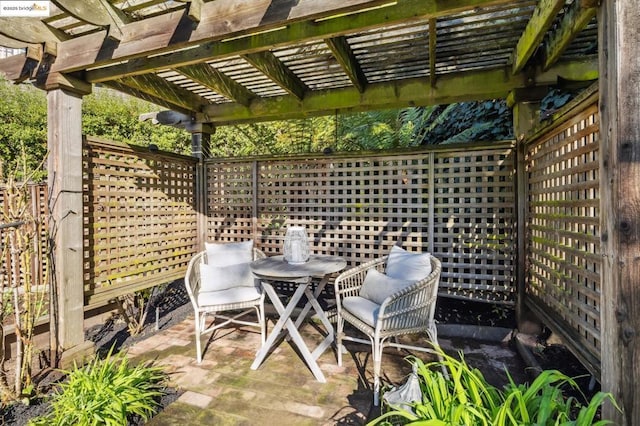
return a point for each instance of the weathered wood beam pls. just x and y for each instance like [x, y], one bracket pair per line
[219, 20]
[295, 32]
[18, 68]
[432, 51]
[345, 57]
[30, 30]
[273, 68]
[97, 12]
[580, 13]
[543, 16]
[12, 43]
[217, 81]
[619, 137]
[155, 86]
[116, 85]
[468, 86]
[195, 10]
[413, 92]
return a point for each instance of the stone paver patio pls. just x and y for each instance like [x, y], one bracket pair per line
[223, 390]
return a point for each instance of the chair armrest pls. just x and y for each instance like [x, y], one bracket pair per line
[412, 307]
[349, 282]
[192, 277]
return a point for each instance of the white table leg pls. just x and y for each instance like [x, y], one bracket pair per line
[284, 313]
[285, 321]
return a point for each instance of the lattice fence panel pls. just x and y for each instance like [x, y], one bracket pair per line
[563, 227]
[230, 201]
[35, 222]
[474, 223]
[357, 207]
[140, 219]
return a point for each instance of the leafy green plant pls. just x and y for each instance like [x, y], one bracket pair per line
[106, 392]
[465, 398]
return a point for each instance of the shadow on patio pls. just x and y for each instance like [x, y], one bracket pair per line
[224, 390]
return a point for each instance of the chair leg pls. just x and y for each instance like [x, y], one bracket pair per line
[376, 349]
[339, 333]
[198, 343]
[263, 323]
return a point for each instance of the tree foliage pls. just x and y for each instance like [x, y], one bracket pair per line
[106, 113]
[23, 127]
[114, 116]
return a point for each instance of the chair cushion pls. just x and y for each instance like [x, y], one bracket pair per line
[378, 286]
[231, 295]
[225, 254]
[408, 266]
[216, 278]
[362, 308]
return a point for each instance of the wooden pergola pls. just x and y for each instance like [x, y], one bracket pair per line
[238, 61]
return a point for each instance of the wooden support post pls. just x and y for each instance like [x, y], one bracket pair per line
[525, 118]
[619, 50]
[200, 139]
[64, 105]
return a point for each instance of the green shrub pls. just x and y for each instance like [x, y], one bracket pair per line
[465, 398]
[106, 392]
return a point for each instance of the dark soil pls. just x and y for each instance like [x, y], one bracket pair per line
[172, 305]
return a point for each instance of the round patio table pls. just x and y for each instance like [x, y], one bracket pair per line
[275, 268]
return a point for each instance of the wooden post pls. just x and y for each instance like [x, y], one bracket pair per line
[526, 107]
[64, 119]
[619, 50]
[200, 139]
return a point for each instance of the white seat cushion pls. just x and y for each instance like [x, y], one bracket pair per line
[225, 254]
[231, 295]
[378, 286]
[216, 278]
[362, 308]
[408, 266]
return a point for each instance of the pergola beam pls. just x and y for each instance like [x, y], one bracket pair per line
[462, 87]
[543, 16]
[219, 20]
[155, 86]
[575, 20]
[273, 68]
[18, 68]
[97, 12]
[120, 87]
[217, 81]
[344, 55]
[255, 38]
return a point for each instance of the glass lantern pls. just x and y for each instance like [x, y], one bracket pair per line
[296, 245]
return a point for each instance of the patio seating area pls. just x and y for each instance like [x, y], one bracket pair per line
[224, 390]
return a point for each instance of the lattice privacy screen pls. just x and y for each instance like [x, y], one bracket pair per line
[140, 219]
[458, 205]
[24, 255]
[564, 262]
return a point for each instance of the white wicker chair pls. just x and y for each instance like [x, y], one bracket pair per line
[245, 305]
[408, 311]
